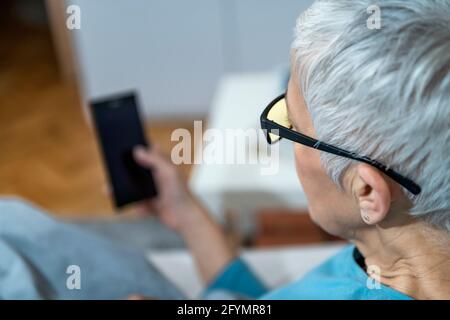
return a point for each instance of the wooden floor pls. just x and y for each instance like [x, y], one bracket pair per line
[48, 153]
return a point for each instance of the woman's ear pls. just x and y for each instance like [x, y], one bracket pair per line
[372, 193]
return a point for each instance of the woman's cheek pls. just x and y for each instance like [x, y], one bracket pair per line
[307, 163]
[315, 182]
[305, 170]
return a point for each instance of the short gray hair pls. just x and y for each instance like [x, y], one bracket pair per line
[384, 93]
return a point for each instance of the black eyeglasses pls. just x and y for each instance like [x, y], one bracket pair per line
[276, 124]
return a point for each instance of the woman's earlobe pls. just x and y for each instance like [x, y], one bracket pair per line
[370, 216]
[373, 194]
[365, 215]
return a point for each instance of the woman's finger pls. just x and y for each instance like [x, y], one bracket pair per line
[151, 158]
[145, 157]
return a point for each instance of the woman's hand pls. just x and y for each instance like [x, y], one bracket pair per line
[174, 203]
[178, 209]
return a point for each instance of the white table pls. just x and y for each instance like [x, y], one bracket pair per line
[238, 103]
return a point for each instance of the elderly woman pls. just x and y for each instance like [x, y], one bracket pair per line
[367, 111]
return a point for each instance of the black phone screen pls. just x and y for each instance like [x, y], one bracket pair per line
[119, 130]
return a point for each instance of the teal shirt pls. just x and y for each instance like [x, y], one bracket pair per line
[339, 278]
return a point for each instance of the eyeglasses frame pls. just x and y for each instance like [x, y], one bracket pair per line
[269, 126]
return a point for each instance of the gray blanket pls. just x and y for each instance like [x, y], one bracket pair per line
[42, 258]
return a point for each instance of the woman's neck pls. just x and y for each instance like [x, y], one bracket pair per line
[413, 258]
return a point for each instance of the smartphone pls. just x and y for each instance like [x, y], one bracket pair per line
[119, 129]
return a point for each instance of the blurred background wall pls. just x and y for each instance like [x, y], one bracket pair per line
[174, 52]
